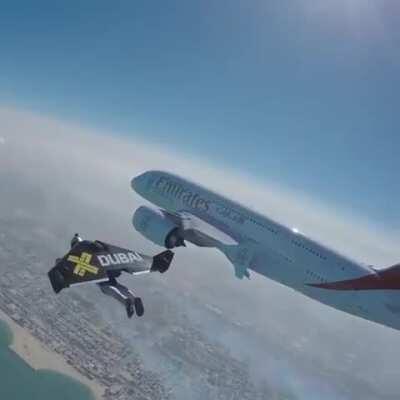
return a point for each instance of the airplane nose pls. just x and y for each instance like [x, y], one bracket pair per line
[137, 183]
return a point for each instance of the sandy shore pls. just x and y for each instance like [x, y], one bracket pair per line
[38, 357]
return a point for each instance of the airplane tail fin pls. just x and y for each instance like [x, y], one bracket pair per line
[389, 277]
[391, 268]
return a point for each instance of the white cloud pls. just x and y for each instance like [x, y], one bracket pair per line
[109, 163]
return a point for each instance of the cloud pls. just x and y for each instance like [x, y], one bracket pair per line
[110, 162]
[63, 178]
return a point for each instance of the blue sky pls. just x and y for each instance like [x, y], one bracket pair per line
[302, 93]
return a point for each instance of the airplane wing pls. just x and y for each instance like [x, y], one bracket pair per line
[238, 250]
[192, 225]
[90, 262]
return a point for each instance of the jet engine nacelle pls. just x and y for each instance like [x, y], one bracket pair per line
[157, 227]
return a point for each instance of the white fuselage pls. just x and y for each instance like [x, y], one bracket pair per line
[279, 253]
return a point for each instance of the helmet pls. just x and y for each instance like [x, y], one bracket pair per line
[75, 240]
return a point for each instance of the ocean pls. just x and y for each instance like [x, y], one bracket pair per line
[18, 381]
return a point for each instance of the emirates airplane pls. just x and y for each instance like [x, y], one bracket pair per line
[252, 242]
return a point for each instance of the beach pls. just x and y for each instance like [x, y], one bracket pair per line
[38, 357]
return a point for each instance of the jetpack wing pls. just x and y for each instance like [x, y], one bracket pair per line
[90, 262]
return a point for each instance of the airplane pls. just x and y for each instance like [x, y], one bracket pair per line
[102, 263]
[187, 212]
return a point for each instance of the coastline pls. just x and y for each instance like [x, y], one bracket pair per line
[38, 357]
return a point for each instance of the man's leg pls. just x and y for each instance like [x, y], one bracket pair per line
[136, 301]
[121, 293]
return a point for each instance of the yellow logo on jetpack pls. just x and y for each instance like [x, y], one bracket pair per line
[83, 264]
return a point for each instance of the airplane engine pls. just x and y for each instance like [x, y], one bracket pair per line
[157, 227]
